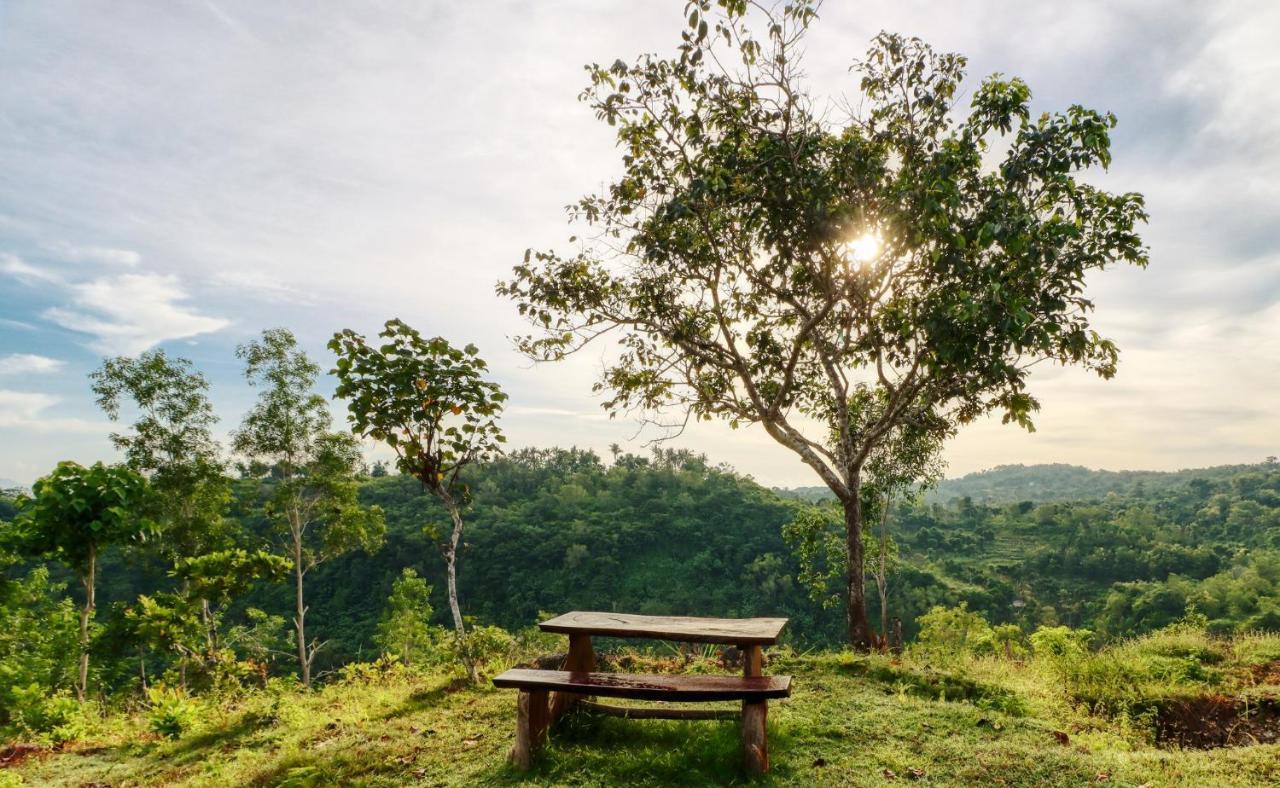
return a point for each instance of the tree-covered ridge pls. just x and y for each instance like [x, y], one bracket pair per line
[563, 529]
[558, 529]
[1051, 482]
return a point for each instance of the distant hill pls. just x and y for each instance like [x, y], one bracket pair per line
[10, 484]
[1051, 482]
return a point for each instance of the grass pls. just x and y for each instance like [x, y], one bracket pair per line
[851, 721]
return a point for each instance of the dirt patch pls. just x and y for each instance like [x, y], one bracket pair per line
[1213, 721]
[1266, 673]
[15, 754]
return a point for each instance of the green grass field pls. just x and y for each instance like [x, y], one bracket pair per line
[851, 721]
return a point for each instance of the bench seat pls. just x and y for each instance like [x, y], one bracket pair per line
[650, 686]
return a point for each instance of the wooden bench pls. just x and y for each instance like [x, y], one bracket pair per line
[545, 695]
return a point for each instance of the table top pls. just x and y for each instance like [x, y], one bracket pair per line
[739, 631]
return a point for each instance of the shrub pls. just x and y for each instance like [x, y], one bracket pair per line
[171, 712]
[56, 718]
[952, 632]
[1060, 642]
[384, 670]
[486, 646]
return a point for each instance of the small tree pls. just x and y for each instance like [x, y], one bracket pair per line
[172, 444]
[430, 403]
[74, 514]
[763, 261]
[312, 473]
[907, 462]
[404, 628]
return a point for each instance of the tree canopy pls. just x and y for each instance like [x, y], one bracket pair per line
[830, 279]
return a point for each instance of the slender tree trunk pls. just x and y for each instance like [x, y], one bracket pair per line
[882, 572]
[210, 631]
[451, 564]
[300, 609]
[859, 627]
[86, 614]
[142, 668]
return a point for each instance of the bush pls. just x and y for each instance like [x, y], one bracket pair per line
[56, 718]
[951, 632]
[488, 646]
[171, 712]
[387, 669]
[1060, 642]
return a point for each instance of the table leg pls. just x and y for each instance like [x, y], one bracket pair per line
[582, 657]
[755, 740]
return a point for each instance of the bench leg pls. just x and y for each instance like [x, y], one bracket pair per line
[531, 727]
[582, 657]
[755, 739]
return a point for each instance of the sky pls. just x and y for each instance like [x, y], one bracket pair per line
[185, 173]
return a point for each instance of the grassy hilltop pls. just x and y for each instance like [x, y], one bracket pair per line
[1147, 712]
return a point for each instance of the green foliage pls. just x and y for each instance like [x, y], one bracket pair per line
[1060, 642]
[56, 717]
[424, 398]
[260, 639]
[404, 629]
[948, 633]
[815, 534]
[77, 511]
[312, 495]
[172, 443]
[222, 576]
[38, 639]
[170, 712]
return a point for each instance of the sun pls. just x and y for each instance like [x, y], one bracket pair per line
[865, 247]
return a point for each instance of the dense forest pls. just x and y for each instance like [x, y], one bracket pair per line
[560, 529]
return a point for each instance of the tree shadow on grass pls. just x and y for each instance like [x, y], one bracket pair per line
[426, 698]
[197, 746]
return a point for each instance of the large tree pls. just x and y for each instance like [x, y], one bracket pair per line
[763, 260]
[74, 514]
[311, 472]
[430, 402]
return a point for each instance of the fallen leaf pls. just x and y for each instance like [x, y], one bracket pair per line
[889, 774]
[1102, 777]
[915, 773]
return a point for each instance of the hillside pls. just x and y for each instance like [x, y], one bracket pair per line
[850, 721]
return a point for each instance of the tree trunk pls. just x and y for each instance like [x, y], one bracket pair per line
[86, 614]
[210, 630]
[300, 610]
[451, 564]
[859, 627]
[882, 572]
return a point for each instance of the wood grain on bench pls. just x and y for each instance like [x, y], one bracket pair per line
[738, 631]
[649, 686]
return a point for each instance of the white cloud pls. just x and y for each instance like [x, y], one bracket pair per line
[25, 272]
[26, 410]
[130, 313]
[28, 363]
[95, 254]
[263, 287]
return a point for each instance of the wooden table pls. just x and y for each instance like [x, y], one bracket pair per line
[750, 635]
